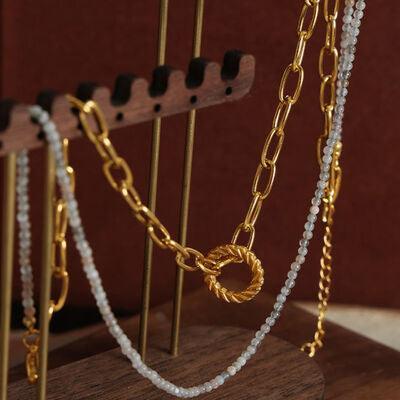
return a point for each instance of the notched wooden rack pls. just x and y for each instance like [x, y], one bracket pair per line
[134, 99]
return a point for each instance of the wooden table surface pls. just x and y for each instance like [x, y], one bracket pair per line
[354, 367]
[278, 371]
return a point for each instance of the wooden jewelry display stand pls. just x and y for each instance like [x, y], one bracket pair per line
[279, 370]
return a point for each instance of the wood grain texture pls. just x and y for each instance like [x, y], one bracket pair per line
[354, 367]
[135, 100]
[278, 371]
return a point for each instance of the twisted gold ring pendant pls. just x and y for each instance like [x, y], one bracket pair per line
[224, 255]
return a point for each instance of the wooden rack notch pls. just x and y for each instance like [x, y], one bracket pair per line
[133, 99]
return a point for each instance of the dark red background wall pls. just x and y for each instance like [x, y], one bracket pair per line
[54, 44]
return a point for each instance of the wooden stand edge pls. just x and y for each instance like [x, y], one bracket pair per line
[133, 99]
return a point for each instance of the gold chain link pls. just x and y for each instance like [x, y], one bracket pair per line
[327, 103]
[59, 245]
[30, 338]
[266, 170]
[120, 177]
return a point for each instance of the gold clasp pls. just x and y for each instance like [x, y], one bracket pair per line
[30, 339]
[336, 174]
[31, 365]
[309, 349]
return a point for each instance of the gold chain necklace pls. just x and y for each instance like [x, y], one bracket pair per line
[30, 338]
[211, 264]
[328, 85]
[325, 273]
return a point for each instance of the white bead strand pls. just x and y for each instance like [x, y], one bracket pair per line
[352, 22]
[24, 235]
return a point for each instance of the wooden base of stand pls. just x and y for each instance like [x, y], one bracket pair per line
[279, 370]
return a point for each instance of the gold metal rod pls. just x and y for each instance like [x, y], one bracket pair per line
[187, 174]
[155, 153]
[7, 249]
[162, 32]
[45, 281]
[198, 28]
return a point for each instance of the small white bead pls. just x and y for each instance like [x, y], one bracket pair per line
[309, 226]
[220, 380]
[281, 298]
[360, 5]
[292, 275]
[314, 210]
[300, 259]
[302, 251]
[241, 360]
[308, 235]
[285, 291]
[43, 118]
[270, 321]
[208, 385]
[265, 328]
[260, 335]
[237, 366]
[290, 283]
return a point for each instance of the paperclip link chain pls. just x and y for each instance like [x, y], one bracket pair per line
[30, 338]
[120, 176]
[330, 53]
[59, 245]
[327, 104]
[266, 170]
